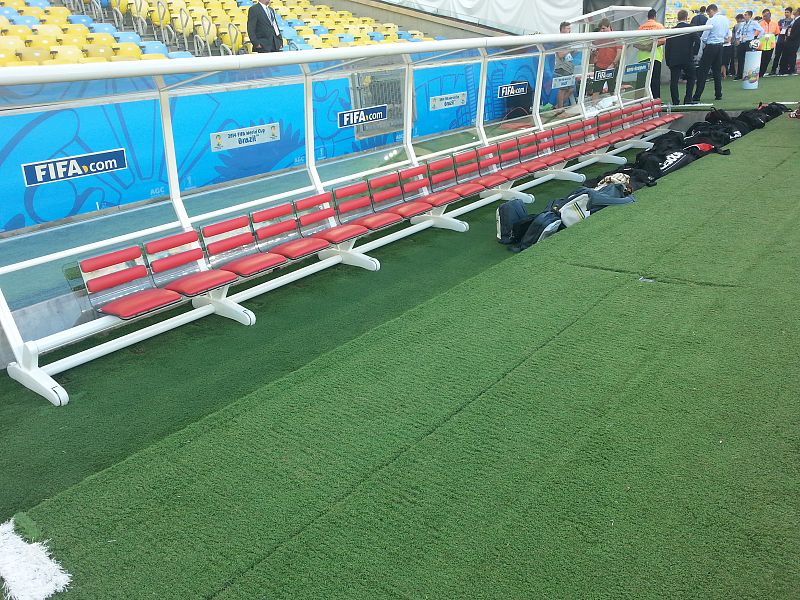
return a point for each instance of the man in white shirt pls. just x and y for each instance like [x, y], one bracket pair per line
[749, 31]
[713, 39]
[262, 28]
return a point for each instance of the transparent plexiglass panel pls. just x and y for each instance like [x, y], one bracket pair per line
[561, 82]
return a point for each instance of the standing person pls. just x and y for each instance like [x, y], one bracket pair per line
[749, 31]
[644, 55]
[792, 43]
[733, 45]
[679, 52]
[262, 27]
[604, 59]
[767, 45]
[564, 67]
[699, 19]
[783, 26]
[713, 39]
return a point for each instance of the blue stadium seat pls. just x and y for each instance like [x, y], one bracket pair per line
[82, 20]
[127, 36]
[440, 37]
[295, 23]
[38, 3]
[303, 46]
[155, 47]
[319, 29]
[21, 20]
[8, 12]
[375, 36]
[404, 35]
[180, 54]
[347, 37]
[102, 28]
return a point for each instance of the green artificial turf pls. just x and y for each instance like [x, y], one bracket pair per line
[613, 413]
[734, 97]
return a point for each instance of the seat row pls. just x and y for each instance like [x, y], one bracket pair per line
[135, 281]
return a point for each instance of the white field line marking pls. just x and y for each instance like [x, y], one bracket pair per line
[26, 570]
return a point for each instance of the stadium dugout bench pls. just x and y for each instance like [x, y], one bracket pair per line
[200, 266]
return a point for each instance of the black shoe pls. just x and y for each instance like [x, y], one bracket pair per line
[738, 78]
[718, 98]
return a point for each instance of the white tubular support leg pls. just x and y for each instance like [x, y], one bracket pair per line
[604, 157]
[29, 374]
[225, 307]
[509, 195]
[351, 257]
[635, 144]
[441, 221]
[561, 174]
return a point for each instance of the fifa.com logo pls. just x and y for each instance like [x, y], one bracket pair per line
[71, 167]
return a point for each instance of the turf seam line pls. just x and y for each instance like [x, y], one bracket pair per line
[403, 450]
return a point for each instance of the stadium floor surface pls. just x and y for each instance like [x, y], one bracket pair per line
[463, 423]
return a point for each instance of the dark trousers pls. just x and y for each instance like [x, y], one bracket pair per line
[766, 56]
[674, 78]
[655, 80]
[777, 56]
[710, 61]
[741, 50]
[788, 58]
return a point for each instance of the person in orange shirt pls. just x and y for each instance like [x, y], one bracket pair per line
[644, 55]
[768, 40]
[606, 61]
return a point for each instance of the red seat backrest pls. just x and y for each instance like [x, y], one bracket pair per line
[353, 197]
[228, 242]
[442, 172]
[386, 189]
[509, 151]
[488, 157]
[414, 179]
[118, 258]
[466, 163]
[313, 210]
[281, 220]
[187, 248]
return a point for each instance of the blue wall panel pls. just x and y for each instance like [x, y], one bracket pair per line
[441, 81]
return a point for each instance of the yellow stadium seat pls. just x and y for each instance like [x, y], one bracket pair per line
[8, 56]
[69, 53]
[17, 31]
[34, 54]
[73, 39]
[127, 49]
[93, 59]
[11, 43]
[31, 11]
[330, 40]
[25, 63]
[416, 34]
[105, 39]
[391, 27]
[16, 4]
[50, 30]
[42, 41]
[60, 21]
[4, 22]
[123, 58]
[58, 11]
[99, 51]
[153, 56]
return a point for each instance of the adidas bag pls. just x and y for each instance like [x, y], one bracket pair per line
[507, 215]
[754, 118]
[575, 211]
[717, 115]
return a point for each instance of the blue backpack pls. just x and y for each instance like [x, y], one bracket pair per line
[507, 215]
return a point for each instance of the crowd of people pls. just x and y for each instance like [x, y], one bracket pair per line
[721, 51]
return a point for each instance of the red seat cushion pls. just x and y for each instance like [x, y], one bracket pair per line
[300, 248]
[411, 209]
[139, 303]
[341, 233]
[467, 189]
[493, 180]
[201, 282]
[512, 173]
[535, 165]
[441, 198]
[378, 220]
[254, 263]
[569, 153]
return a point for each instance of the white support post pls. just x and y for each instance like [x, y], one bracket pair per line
[173, 178]
[408, 112]
[559, 172]
[604, 157]
[508, 194]
[225, 307]
[28, 373]
[585, 52]
[479, 117]
[634, 144]
[350, 257]
[537, 92]
[438, 219]
[308, 114]
[623, 64]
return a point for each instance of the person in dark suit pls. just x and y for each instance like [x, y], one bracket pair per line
[679, 54]
[792, 44]
[262, 28]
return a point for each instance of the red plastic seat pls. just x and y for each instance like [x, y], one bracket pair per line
[124, 289]
[314, 215]
[231, 246]
[179, 270]
[378, 220]
[297, 249]
[341, 233]
[254, 264]
[354, 206]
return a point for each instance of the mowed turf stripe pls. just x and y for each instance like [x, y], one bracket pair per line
[709, 222]
[201, 506]
[648, 451]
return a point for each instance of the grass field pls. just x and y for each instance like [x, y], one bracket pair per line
[613, 413]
